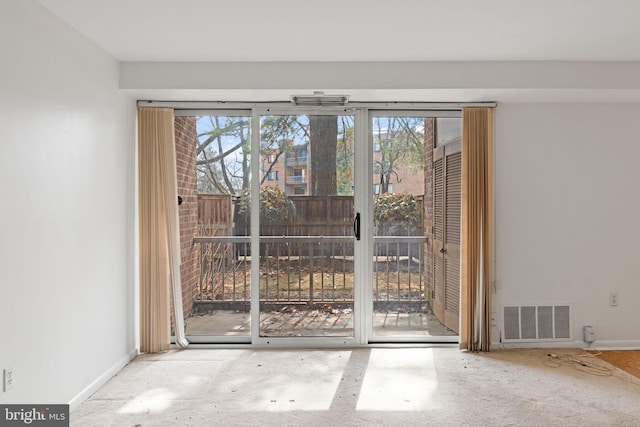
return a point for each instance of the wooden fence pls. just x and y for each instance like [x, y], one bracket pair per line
[215, 215]
[218, 215]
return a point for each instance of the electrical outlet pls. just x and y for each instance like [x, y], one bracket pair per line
[613, 299]
[589, 334]
[8, 379]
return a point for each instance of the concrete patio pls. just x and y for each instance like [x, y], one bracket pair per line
[294, 321]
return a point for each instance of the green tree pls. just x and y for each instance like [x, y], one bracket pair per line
[345, 157]
[396, 214]
[400, 141]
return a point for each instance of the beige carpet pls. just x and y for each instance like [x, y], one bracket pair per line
[364, 387]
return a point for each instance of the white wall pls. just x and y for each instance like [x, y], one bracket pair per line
[566, 214]
[567, 210]
[567, 146]
[461, 81]
[66, 222]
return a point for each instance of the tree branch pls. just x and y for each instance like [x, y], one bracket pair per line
[220, 156]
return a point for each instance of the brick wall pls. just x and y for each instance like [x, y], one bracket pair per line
[185, 132]
[429, 144]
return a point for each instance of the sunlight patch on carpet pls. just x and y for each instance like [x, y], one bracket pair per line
[399, 380]
[156, 400]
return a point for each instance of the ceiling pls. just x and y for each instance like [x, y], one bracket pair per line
[357, 30]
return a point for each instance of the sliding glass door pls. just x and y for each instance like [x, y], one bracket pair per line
[306, 217]
[318, 226]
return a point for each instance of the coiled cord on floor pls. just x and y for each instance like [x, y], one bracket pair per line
[585, 362]
[591, 364]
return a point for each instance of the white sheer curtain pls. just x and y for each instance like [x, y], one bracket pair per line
[159, 231]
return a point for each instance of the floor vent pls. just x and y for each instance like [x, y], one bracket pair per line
[522, 323]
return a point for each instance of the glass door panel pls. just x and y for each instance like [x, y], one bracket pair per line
[217, 273]
[402, 258]
[306, 260]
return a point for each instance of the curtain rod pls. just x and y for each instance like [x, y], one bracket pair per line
[204, 105]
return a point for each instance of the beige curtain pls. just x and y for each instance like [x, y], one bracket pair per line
[477, 229]
[159, 233]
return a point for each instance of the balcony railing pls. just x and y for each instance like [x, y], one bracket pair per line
[293, 161]
[296, 179]
[309, 269]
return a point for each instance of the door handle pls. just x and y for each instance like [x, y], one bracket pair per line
[443, 250]
[356, 226]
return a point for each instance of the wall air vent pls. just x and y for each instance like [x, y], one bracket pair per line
[536, 323]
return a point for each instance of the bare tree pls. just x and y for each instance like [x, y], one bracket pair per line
[224, 151]
[223, 155]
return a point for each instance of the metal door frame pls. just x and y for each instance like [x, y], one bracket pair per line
[363, 203]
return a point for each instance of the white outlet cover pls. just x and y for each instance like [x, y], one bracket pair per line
[8, 379]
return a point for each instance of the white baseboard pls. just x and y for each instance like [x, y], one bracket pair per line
[538, 344]
[101, 380]
[597, 345]
[616, 345]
